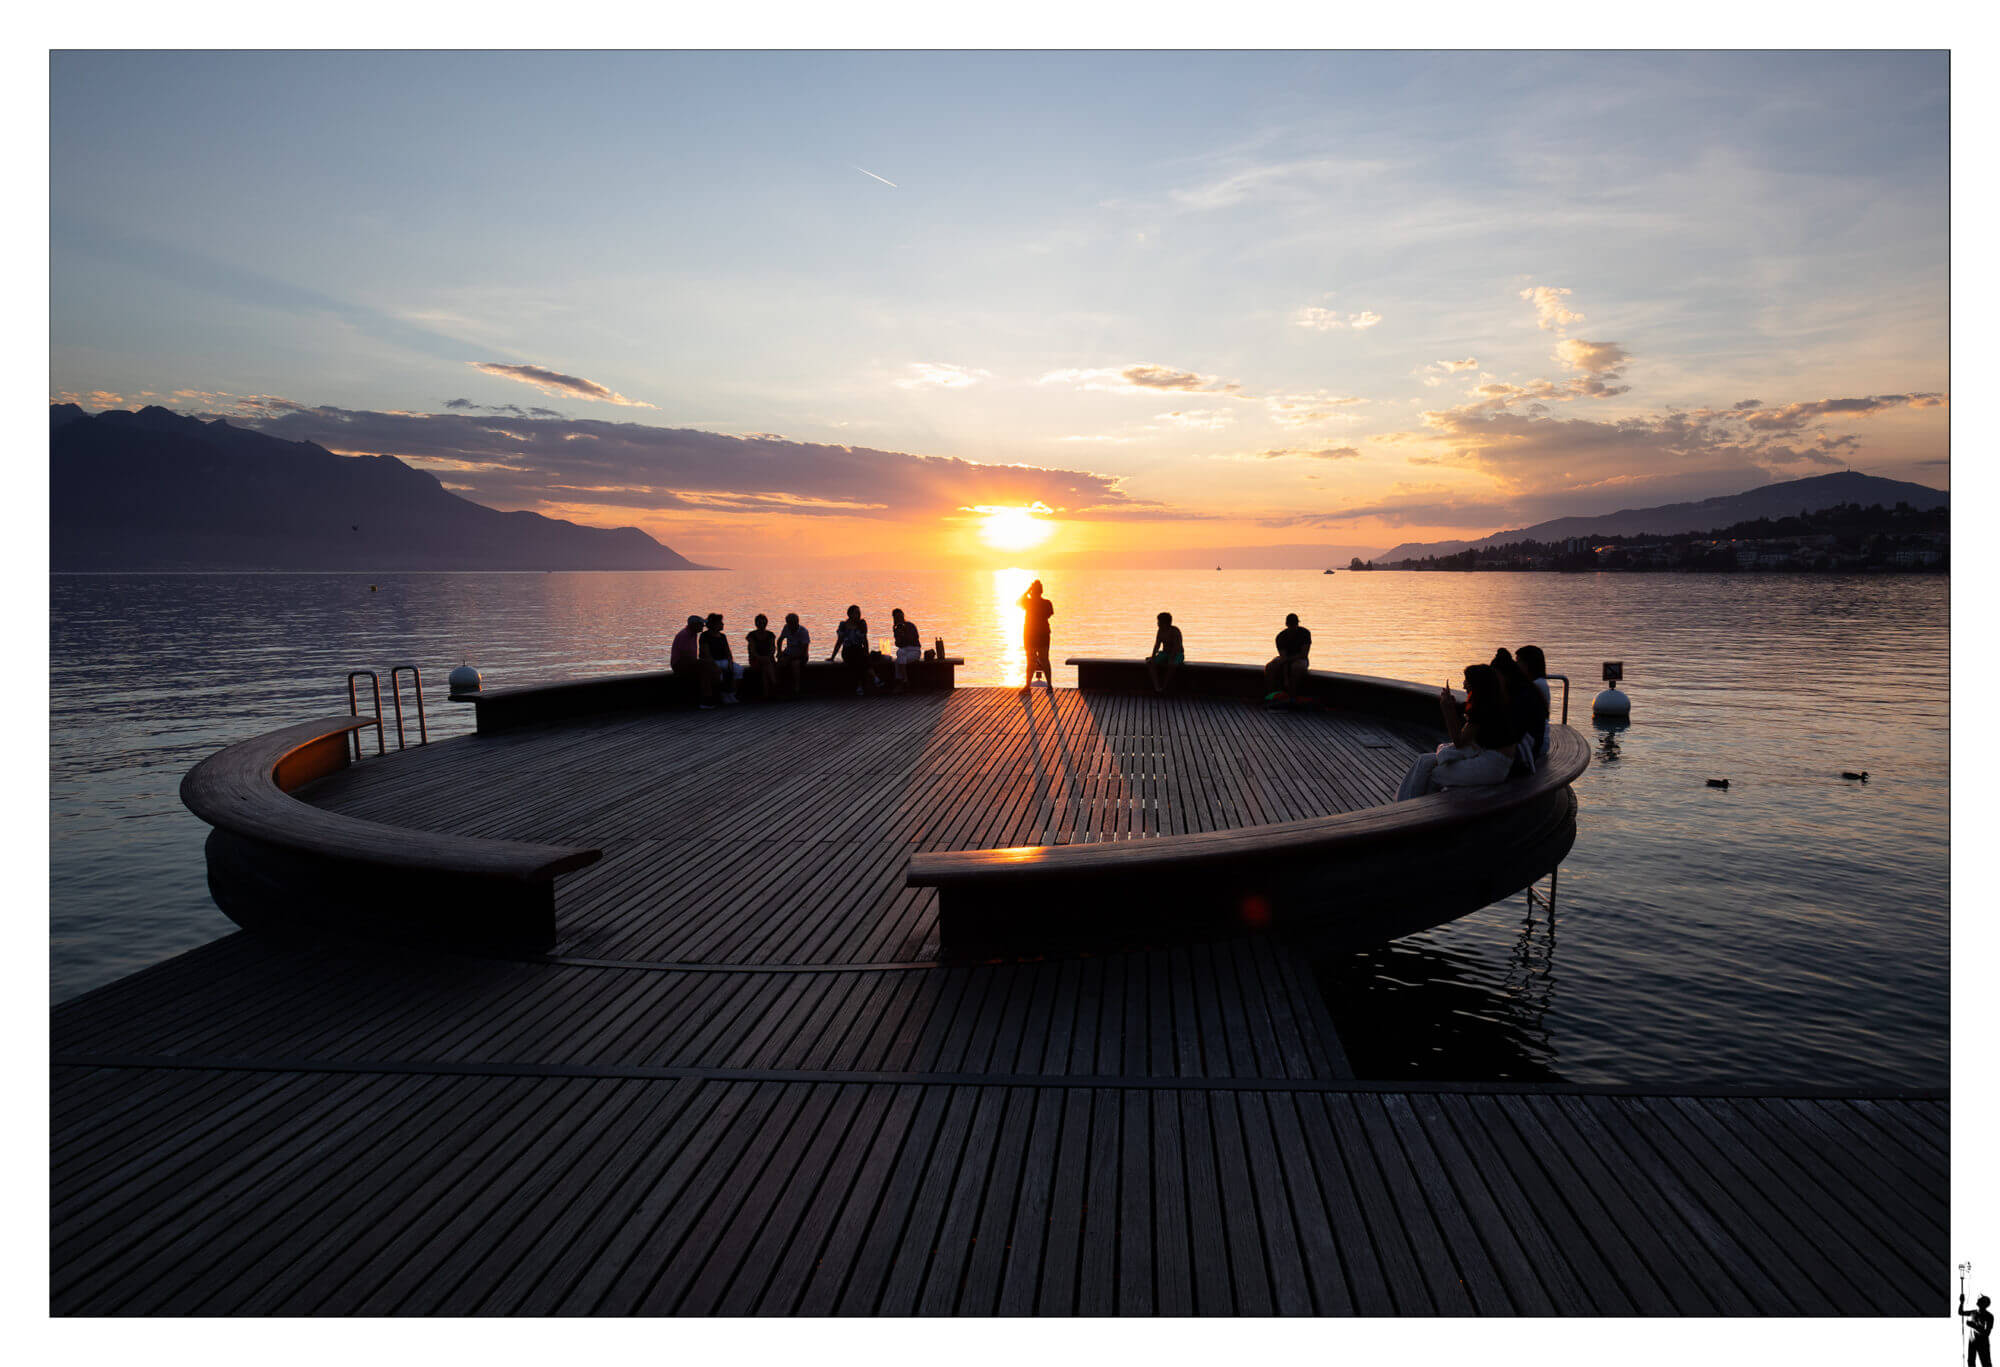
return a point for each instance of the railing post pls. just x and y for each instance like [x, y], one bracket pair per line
[1565, 683]
[417, 681]
[354, 708]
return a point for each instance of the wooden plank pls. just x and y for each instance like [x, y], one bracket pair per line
[1028, 1239]
[1533, 1216]
[970, 1109]
[1291, 1293]
[1648, 1273]
[969, 1284]
[1795, 1276]
[1667, 1207]
[868, 1233]
[727, 1243]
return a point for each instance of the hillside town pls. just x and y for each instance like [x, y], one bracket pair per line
[1845, 539]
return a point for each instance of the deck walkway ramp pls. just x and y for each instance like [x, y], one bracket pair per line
[744, 1082]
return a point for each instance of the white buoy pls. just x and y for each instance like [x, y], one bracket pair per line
[1611, 702]
[464, 679]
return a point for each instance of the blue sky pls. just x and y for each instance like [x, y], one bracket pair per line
[1210, 298]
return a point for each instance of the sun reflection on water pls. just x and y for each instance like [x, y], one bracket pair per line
[1008, 586]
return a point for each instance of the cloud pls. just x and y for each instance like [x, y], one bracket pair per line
[1304, 180]
[1434, 373]
[936, 374]
[1302, 410]
[533, 462]
[239, 406]
[102, 400]
[1199, 419]
[1600, 366]
[1142, 512]
[1325, 320]
[555, 382]
[1594, 358]
[1790, 417]
[511, 409]
[1162, 377]
[1547, 465]
[1142, 379]
[1428, 506]
[1328, 453]
[1549, 310]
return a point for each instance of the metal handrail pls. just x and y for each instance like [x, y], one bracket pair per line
[396, 697]
[354, 709]
[1565, 679]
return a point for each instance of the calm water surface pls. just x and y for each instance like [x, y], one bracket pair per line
[1791, 930]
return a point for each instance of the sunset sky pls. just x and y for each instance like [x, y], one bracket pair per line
[774, 306]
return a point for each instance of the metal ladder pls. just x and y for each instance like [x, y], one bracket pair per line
[396, 700]
[1565, 683]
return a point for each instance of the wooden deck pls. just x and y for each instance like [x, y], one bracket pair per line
[743, 1082]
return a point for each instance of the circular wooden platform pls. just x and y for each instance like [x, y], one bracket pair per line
[779, 833]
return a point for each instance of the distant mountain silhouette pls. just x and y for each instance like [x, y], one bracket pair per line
[154, 490]
[1770, 500]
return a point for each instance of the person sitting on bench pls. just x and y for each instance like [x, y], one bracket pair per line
[1168, 654]
[761, 647]
[1287, 673]
[794, 648]
[1483, 737]
[685, 656]
[718, 668]
[909, 647]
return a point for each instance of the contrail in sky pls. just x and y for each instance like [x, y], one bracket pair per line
[890, 183]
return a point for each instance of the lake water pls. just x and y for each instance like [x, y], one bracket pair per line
[1790, 930]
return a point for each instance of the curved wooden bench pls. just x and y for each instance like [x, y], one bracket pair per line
[1344, 879]
[275, 862]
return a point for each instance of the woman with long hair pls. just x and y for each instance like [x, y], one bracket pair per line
[1527, 705]
[1483, 737]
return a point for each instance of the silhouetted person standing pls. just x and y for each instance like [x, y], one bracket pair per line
[850, 643]
[762, 647]
[1978, 1348]
[1035, 636]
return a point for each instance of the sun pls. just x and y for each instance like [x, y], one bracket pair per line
[1016, 529]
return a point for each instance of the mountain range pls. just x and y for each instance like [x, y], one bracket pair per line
[1770, 500]
[154, 490]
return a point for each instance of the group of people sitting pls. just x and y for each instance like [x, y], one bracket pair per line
[778, 659]
[1500, 730]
